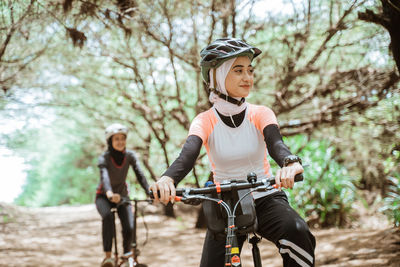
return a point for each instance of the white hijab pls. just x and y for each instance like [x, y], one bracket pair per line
[223, 106]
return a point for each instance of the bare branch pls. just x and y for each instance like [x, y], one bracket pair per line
[331, 112]
[233, 17]
[213, 21]
[340, 25]
[14, 27]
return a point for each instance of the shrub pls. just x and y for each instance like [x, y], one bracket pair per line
[326, 195]
[392, 201]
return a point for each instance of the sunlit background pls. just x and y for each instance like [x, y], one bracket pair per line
[13, 168]
[12, 175]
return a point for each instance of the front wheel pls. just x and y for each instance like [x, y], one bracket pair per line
[131, 263]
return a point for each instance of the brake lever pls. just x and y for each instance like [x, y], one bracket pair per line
[261, 188]
[265, 187]
[191, 200]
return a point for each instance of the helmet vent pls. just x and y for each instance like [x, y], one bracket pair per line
[212, 47]
[225, 49]
[209, 57]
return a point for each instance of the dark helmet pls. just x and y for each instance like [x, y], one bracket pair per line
[221, 50]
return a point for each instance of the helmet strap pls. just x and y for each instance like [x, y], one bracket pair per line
[224, 96]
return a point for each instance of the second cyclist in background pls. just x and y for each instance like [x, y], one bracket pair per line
[114, 165]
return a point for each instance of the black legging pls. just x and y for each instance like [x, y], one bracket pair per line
[125, 215]
[277, 222]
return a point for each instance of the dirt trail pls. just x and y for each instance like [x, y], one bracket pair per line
[70, 236]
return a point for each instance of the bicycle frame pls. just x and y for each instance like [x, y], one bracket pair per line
[232, 251]
[116, 258]
[136, 251]
[131, 261]
[194, 195]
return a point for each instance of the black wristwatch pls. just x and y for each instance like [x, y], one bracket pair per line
[290, 159]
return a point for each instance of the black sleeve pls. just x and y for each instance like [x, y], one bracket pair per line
[276, 148]
[139, 173]
[104, 176]
[186, 159]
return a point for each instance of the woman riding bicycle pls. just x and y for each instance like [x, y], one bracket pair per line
[114, 166]
[238, 136]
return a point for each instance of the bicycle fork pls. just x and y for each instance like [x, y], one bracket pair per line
[232, 253]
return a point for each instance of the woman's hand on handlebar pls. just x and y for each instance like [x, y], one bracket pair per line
[166, 188]
[113, 197]
[285, 176]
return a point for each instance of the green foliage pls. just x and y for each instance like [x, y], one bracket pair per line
[62, 169]
[392, 202]
[5, 219]
[326, 195]
[4, 216]
[367, 146]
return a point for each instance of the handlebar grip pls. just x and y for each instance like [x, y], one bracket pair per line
[298, 178]
[177, 198]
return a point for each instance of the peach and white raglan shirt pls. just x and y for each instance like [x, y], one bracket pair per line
[235, 152]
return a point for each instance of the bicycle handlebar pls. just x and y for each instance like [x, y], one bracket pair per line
[195, 196]
[226, 187]
[127, 200]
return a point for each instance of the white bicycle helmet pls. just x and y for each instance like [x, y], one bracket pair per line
[116, 128]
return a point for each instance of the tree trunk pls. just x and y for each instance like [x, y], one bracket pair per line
[169, 210]
[390, 19]
[391, 10]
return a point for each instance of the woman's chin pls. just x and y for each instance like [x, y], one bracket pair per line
[245, 94]
[242, 94]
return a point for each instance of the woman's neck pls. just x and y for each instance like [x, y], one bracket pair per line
[118, 156]
[233, 121]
